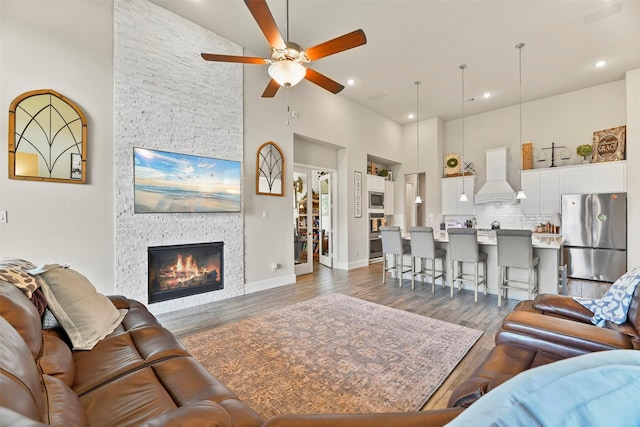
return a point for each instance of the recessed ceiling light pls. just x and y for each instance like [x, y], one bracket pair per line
[486, 95]
[600, 63]
[412, 116]
[351, 82]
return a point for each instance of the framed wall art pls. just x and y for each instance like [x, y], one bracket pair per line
[609, 144]
[167, 182]
[269, 170]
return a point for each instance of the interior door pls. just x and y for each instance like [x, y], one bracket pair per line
[303, 222]
[326, 221]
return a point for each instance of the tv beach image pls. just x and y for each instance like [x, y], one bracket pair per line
[171, 182]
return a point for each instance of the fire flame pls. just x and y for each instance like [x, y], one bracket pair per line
[184, 270]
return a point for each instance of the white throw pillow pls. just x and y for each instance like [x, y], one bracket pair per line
[86, 315]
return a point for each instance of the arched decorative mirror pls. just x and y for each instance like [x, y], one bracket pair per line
[47, 138]
[269, 170]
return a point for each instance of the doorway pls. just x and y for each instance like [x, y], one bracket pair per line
[314, 218]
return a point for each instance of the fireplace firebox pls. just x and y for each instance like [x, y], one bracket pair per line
[181, 270]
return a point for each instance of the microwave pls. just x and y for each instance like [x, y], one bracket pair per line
[376, 200]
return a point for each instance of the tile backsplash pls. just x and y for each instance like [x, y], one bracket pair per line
[508, 215]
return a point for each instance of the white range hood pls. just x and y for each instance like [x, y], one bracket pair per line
[497, 189]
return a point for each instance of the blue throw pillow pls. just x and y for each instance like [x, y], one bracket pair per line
[614, 304]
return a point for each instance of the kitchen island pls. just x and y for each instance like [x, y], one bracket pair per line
[547, 247]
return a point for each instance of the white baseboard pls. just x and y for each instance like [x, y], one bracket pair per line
[263, 285]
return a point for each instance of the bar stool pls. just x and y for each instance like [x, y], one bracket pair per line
[392, 244]
[463, 247]
[515, 250]
[424, 248]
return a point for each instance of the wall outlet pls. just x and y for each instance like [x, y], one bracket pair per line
[3, 217]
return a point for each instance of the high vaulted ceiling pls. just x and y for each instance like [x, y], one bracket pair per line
[428, 41]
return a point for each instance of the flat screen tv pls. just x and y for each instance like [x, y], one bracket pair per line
[166, 182]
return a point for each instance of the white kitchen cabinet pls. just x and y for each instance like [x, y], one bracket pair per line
[609, 177]
[530, 184]
[375, 183]
[549, 192]
[451, 190]
[542, 188]
[574, 180]
[389, 198]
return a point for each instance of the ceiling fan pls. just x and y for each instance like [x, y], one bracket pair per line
[287, 65]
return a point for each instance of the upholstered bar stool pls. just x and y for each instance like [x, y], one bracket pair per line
[463, 248]
[515, 250]
[423, 247]
[392, 244]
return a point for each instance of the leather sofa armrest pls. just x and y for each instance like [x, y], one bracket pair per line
[433, 418]
[562, 305]
[586, 338]
[119, 301]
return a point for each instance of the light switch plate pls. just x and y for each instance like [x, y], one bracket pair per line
[3, 217]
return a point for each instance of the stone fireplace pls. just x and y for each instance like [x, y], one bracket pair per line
[181, 270]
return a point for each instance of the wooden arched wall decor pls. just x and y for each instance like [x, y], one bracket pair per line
[47, 138]
[270, 170]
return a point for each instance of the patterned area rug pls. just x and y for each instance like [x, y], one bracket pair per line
[331, 354]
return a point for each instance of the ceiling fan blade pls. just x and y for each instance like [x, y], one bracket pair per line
[267, 24]
[323, 81]
[233, 58]
[339, 44]
[271, 89]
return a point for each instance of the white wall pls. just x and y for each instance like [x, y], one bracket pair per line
[321, 117]
[633, 159]
[65, 46]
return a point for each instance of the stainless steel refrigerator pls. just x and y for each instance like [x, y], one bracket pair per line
[594, 227]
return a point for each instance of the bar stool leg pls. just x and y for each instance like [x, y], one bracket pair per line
[433, 276]
[413, 272]
[453, 276]
[475, 294]
[500, 283]
[484, 277]
[384, 268]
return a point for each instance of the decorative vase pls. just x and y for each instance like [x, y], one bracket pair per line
[586, 159]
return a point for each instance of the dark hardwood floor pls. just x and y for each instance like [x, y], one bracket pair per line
[365, 283]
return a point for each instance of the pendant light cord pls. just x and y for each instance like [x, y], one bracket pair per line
[462, 67]
[519, 46]
[418, 83]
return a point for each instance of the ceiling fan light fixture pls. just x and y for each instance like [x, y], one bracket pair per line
[287, 73]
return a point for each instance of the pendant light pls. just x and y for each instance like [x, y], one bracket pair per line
[463, 196]
[418, 198]
[519, 46]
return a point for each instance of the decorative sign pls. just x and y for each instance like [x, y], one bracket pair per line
[609, 144]
[451, 164]
[357, 194]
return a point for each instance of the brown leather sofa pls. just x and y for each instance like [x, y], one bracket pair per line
[139, 375]
[541, 331]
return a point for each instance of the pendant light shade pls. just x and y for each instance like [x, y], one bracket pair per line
[519, 46]
[418, 199]
[463, 196]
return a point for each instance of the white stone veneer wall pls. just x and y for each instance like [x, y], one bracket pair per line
[167, 97]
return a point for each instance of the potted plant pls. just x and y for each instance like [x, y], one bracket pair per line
[384, 173]
[584, 150]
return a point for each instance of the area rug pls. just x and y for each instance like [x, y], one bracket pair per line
[333, 354]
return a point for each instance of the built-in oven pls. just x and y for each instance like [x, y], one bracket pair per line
[376, 200]
[376, 220]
